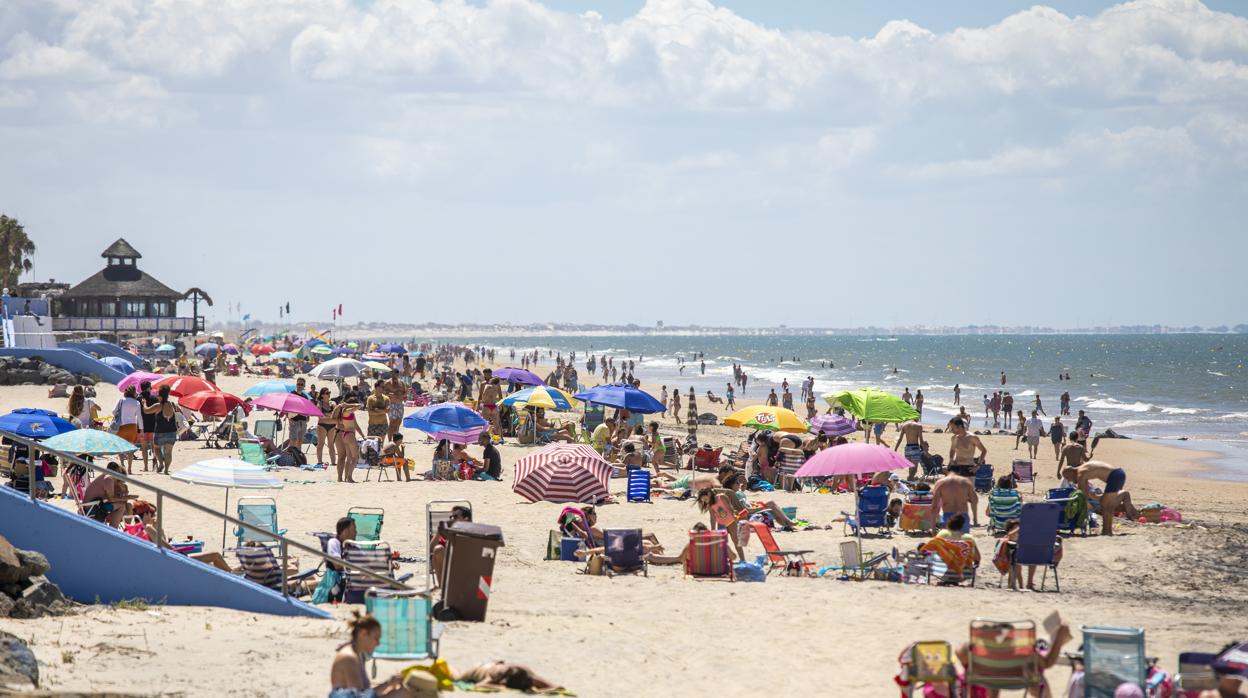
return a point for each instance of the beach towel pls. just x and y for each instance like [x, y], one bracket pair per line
[329, 588]
[956, 555]
[1077, 508]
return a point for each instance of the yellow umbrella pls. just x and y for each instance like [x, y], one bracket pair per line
[767, 418]
[378, 366]
[542, 396]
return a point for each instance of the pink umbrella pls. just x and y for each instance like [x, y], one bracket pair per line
[288, 403]
[136, 378]
[852, 459]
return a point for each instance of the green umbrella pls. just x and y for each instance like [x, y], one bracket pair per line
[871, 405]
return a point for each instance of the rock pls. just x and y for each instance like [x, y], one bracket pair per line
[18, 665]
[8, 554]
[34, 563]
[42, 598]
[6, 605]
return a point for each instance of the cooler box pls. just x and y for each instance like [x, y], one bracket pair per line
[468, 575]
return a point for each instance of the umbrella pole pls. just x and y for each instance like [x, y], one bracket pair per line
[858, 515]
[223, 521]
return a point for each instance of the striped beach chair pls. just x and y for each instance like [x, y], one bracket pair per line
[1112, 656]
[260, 565]
[787, 465]
[1002, 655]
[1003, 505]
[407, 627]
[372, 556]
[639, 485]
[708, 556]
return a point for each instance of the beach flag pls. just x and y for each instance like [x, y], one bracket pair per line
[246, 317]
[340, 310]
[333, 313]
[288, 307]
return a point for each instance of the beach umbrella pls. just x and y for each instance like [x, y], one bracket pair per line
[871, 405]
[692, 419]
[269, 386]
[378, 366]
[541, 396]
[852, 459]
[517, 375]
[92, 441]
[621, 396]
[833, 425]
[282, 355]
[768, 418]
[181, 386]
[444, 416]
[261, 349]
[1233, 661]
[288, 403]
[207, 349]
[338, 368]
[353, 345]
[34, 423]
[322, 349]
[230, 348]
[391, 348]
[227, 473]
[343, 351]
[213, 403]
[118, 363]
[315, 342]
[164, 348]
[562, 472]
[137, 378]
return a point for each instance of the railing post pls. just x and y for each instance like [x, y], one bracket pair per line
[32, 456]
[285, 557]
[160, 515]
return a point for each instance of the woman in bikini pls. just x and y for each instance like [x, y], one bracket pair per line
[325, 429]
[347, 431]
[349, 674]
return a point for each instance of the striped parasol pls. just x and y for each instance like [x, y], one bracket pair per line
[833, 425]
[91, 441]
[227, 473]
[693, 409]
[562, 473]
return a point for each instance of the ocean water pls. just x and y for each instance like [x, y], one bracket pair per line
[1189, 386]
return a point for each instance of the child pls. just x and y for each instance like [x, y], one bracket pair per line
[893, 515]
[394, 454]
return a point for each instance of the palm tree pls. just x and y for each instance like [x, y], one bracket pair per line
[15, 251]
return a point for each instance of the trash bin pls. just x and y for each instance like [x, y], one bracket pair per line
[468, 572]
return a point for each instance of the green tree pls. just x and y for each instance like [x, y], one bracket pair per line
[15, 251]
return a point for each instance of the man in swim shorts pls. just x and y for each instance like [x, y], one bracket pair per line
[912, 434]
[1114, 499]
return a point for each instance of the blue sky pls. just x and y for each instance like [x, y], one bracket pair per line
[743, 162]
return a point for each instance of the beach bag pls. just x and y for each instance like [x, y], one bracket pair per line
[596, 565]
[751, 571]
[1001, 556]
[327, 589]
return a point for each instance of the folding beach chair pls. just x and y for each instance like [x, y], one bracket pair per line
[1002, 655]
[593, 416]
[872, 512]
[949, 562]
[1023, 471]
[852, 562]
[705, 459]
[437, 513]
[1003, 505]
[374, 557]
[260, 565]
[787, 466]
[639, 485]
[260, 512]
[793, 562]
[1195, 674]
[928, 662]
[370, 460]
[253, 452]
[917, 517]
[625, 551]
[1112, 656]
[407, 627]
[708, 556]
[671, 452]
[1037, 539]
[265, 429]
[1074, 513]
[983, 478]
[368, 521]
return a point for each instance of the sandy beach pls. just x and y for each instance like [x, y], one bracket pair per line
[665, 635]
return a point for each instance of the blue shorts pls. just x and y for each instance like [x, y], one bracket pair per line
[966, 528]
[1117, 478]
[914, 453]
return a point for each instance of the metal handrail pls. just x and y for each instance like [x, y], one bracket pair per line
[284, 542]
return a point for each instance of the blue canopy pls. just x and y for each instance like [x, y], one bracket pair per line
[447, 416]
[118, 363]
[621, 396]
[391, 348]
[34, 423]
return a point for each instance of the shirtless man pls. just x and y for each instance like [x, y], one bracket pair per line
[491, 394]
[1072, 456]
[396, 392]
[962, 447]
[912, 434]
[955, 494]
[1114, 499]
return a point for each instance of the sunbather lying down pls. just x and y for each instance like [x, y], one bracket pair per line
[654, 553]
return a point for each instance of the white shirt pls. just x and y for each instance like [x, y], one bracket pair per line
[1034, 427]
[84, 417]
[129, 411]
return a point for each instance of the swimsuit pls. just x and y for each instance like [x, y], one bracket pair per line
[914, 453]
[1115, 480]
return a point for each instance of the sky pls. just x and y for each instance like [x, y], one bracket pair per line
[744, 163]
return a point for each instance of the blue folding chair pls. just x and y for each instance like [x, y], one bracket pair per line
[407, 627]
[1112, 657]
[368, 521]
[260, 512]
[872, 512]
[983, 478]
[625, 551]
[1063, 496]
[638, 485]
[1037, 539]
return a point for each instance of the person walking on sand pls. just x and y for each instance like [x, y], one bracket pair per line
[772, 400]
[1034, 429]
[1057, 434]
[962, 449]
[1039, 405]
[918, 402]
[1007, 406]
[676, 405]
[663, 399]
[912, 435]
[729, 400]
[1114, 499]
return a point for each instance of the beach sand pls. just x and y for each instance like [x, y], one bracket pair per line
[666, 635]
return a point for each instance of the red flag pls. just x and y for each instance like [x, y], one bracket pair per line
[334, 314]
[340, 310]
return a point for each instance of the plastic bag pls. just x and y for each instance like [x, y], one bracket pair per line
[752, 571]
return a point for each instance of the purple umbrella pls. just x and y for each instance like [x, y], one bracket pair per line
[343, 351]
[518, 375]
[833, 425]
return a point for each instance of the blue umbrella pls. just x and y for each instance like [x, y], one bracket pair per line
[313, 342]
[518, 375]
[621, 396]
[118, 363]
[391, 348]
[447, 416]
[166, 347]
[207, 349]
[341, 351]
[271, 386]
[34, 423]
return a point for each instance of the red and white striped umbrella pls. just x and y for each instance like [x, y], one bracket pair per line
[562, 472]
